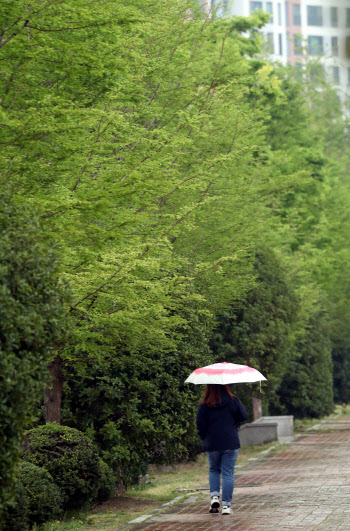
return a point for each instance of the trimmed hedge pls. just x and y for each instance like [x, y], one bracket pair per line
[73, 462]
[31, 322]
[38, 499]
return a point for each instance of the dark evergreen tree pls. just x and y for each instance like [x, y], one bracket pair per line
[341, 370]
[307, 387]
[260, 331]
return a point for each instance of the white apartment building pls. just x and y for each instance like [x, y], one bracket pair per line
[323, 26]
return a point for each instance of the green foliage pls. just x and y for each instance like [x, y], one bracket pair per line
[38, 499]
[143, 155]
[72, 460]
[31, 323]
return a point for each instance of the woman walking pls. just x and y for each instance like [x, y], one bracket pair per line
[218, 417]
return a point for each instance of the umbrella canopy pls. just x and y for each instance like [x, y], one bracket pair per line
[225, 373]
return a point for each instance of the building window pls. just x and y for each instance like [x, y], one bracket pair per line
[279, 13]
[296, 15]
[297, 44]
[315, 45]
[334, 17]
[269, 9]
[348, 17]
[336, 74]
[270, 43]
[255, 5]
[334, 45]
[286, 5]
[314, 16]
[280, 46]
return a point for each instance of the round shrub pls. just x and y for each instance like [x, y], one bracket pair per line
[70, 457]
[38, 498]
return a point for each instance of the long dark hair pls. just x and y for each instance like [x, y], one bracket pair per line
[212, 394]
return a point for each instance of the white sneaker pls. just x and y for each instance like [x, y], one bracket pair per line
[214, 504]
[226, 509]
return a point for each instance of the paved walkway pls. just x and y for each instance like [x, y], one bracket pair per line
[304, 486]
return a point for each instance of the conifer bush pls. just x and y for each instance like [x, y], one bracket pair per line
[72, 460]
[31, 323]
[38, 498]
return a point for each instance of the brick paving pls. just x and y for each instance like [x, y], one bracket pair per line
[306, 485]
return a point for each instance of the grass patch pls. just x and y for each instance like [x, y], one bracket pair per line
[106, 517]
[342, 410]
[303, 425]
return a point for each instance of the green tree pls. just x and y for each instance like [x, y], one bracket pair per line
[132, 132]
[312, 233]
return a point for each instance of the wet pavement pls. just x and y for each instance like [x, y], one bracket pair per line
[305, 485]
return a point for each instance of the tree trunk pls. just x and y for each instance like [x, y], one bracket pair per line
[53, 394]
[257, 408]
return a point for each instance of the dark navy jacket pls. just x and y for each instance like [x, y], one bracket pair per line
[217, 426]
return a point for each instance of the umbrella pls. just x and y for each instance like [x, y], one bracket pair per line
[225, 373]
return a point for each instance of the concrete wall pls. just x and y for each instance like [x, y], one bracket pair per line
[255, 434]
[285, 424]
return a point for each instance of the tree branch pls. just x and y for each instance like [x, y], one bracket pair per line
[26, 23]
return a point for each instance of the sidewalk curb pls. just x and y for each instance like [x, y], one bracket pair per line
[146, 516]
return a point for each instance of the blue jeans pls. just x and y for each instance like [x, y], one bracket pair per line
[222, 463]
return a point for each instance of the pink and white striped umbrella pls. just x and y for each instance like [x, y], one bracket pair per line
[225, 373]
